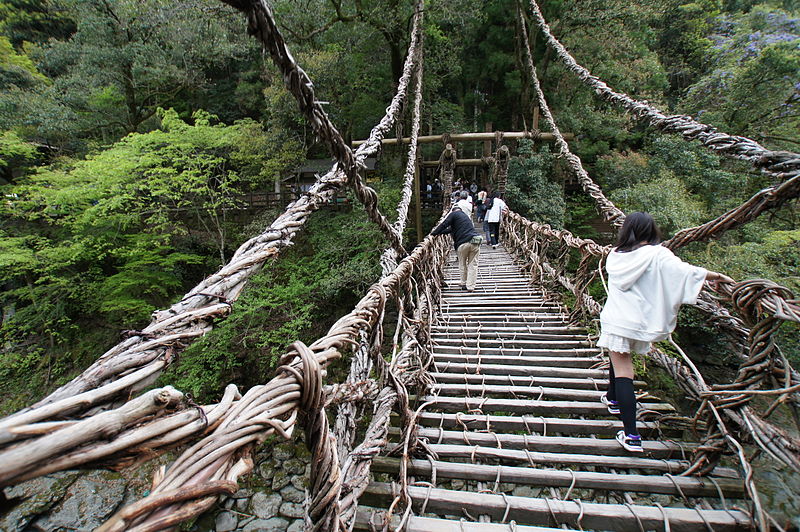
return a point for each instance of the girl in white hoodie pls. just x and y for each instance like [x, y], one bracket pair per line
[647, 284]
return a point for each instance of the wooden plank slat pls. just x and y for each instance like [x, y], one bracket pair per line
[510, 329]
[539, 424]
[526, 381]
[429, 524]
[470, 320]
[503, 337]
[527, 406]
[489, 294]
[517, 347]
[559, 444]
[537, 392]
[476, 452]
[532, 511]
[371, 519]
[544, 357]
[528, 476]
[487, 304]
[504, 369]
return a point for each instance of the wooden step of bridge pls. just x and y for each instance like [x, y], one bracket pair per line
[518, 439]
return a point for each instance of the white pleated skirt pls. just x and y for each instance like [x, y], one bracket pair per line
[620, 344]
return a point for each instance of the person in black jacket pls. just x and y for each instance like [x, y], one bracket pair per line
[467, 242]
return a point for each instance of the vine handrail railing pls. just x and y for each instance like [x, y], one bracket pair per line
[783, 165]
[609, 211]
[762, 304]
[136, 362]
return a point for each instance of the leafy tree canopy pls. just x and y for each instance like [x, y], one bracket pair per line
[113, 237]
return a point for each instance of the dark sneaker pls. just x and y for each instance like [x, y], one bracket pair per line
[463, 287]
[613, 406]
[629, 442]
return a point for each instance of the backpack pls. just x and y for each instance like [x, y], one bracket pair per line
[489, 203]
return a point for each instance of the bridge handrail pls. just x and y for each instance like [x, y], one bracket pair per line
[137, 361]
[768, 198]
[530, 241]
[783, 165]
[326, 510]
[262, 26]
[762, 304]
[356, 464]
[274, 408]
[610, 212]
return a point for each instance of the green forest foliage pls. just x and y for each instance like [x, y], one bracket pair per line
[112, 208]
[296, 298]
[104, 241]
[531, 190]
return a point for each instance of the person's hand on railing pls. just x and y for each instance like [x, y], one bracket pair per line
[715, 278]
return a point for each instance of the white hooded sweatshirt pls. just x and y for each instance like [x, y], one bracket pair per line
[646, 287]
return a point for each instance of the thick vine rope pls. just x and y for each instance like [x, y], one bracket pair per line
[136, 362]
[784, 165]
[529, 241]
[607, 208]
[768, 198]
[389, 258]
[361, 365]
[762, 304]
[407, 368]
[780, 164]
[274, 408]
[262, 25]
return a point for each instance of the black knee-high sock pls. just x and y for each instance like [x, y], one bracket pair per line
[612, 387]
[627, 404]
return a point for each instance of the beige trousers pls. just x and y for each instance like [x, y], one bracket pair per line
[468, 263]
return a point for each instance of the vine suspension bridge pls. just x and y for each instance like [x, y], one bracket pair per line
[484, 413]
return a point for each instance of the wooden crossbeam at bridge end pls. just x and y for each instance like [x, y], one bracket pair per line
[479, 137]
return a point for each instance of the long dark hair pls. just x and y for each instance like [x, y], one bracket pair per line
[639, 227]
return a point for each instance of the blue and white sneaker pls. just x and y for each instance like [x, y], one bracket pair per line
[613, 406]
[630, 442]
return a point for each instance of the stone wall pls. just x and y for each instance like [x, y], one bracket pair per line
[271, 499]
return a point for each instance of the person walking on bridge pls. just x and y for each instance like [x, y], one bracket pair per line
[496, 207]
[467, 243]
[464, 203]
[647, 284]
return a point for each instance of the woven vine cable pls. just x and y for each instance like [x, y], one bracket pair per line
[226, 453]
[731, 441]
[609, 211]
[407, 369]
[361, 365]
[758, 301]
[766, 199]
[389, 258]
[780, 164]
[152, 349]
[535, 261]
[261, 24]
